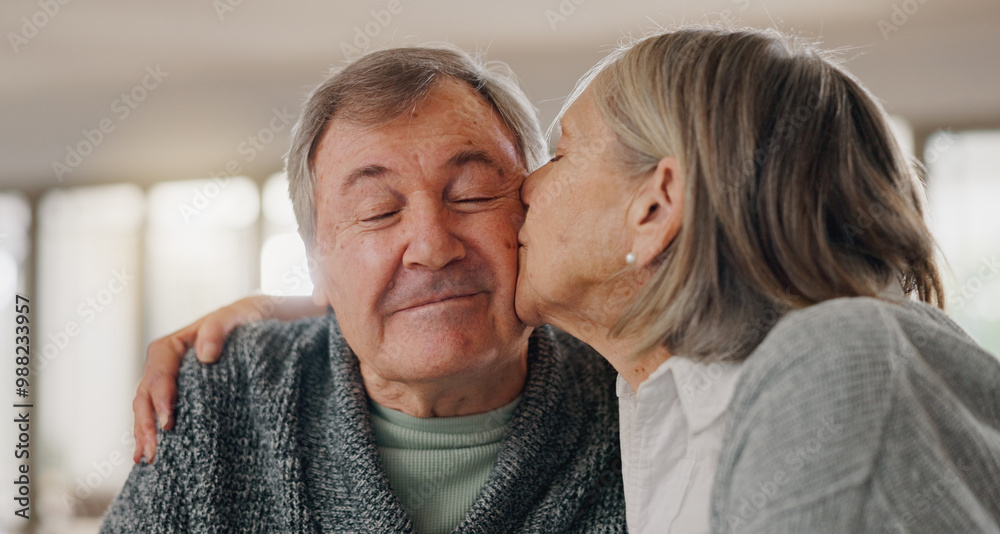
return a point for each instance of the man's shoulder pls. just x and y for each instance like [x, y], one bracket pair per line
[258, 382]
[261, 353]
[271, 337]
[228, 459]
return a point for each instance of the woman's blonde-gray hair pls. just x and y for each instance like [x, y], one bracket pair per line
[381, 86]
[796, 189]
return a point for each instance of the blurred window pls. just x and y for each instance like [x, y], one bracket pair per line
[85, 358]
[201, 249]
[283, 266]
[963, 171]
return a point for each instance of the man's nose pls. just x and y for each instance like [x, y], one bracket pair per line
[433, 242]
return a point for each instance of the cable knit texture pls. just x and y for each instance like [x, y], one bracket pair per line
[277, 437]
[861, 415]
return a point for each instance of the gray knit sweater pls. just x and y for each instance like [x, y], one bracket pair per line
[276, 437]
[859, 415]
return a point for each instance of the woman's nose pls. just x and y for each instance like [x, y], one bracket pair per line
[529, 186]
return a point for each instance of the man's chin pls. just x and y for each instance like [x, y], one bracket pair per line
[444, 328]
[447, 355]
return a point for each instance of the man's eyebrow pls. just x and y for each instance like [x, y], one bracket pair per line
[460, 159]
[466, 157]
[366, 171]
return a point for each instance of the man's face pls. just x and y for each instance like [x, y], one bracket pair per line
[416, 238]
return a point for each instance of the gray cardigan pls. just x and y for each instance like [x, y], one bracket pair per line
[276, 437]
[859, 415]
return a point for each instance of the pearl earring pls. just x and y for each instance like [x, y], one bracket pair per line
[630, 258]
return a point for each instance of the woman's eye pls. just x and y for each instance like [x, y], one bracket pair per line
[555, 158]
[474, 200]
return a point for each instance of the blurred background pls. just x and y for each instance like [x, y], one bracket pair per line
[141, 147]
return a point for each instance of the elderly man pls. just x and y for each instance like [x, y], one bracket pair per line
[422, 404]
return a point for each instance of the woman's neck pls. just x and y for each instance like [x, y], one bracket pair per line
[621, 351]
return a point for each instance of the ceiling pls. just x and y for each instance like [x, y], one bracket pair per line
[217, 71]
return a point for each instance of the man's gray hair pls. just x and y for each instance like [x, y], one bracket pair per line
[384, 85]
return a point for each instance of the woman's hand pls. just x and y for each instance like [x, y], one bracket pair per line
[157, 392]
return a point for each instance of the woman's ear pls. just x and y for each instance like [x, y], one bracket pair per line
[656, 213]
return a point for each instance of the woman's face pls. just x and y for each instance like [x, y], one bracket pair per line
[574, 236]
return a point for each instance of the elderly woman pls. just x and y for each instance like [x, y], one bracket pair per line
[730, 222]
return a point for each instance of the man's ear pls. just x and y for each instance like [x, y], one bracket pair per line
[657, 212]
[319, 296]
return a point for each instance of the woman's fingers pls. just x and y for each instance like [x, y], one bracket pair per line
[211, 337]
[156, 395]
[163, 363]
[163, 391]
[215, 327]
[143, 429]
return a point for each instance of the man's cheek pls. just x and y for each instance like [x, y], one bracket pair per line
[505, 226]
[514, 213]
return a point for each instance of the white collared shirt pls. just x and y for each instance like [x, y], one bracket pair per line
[671, 435]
